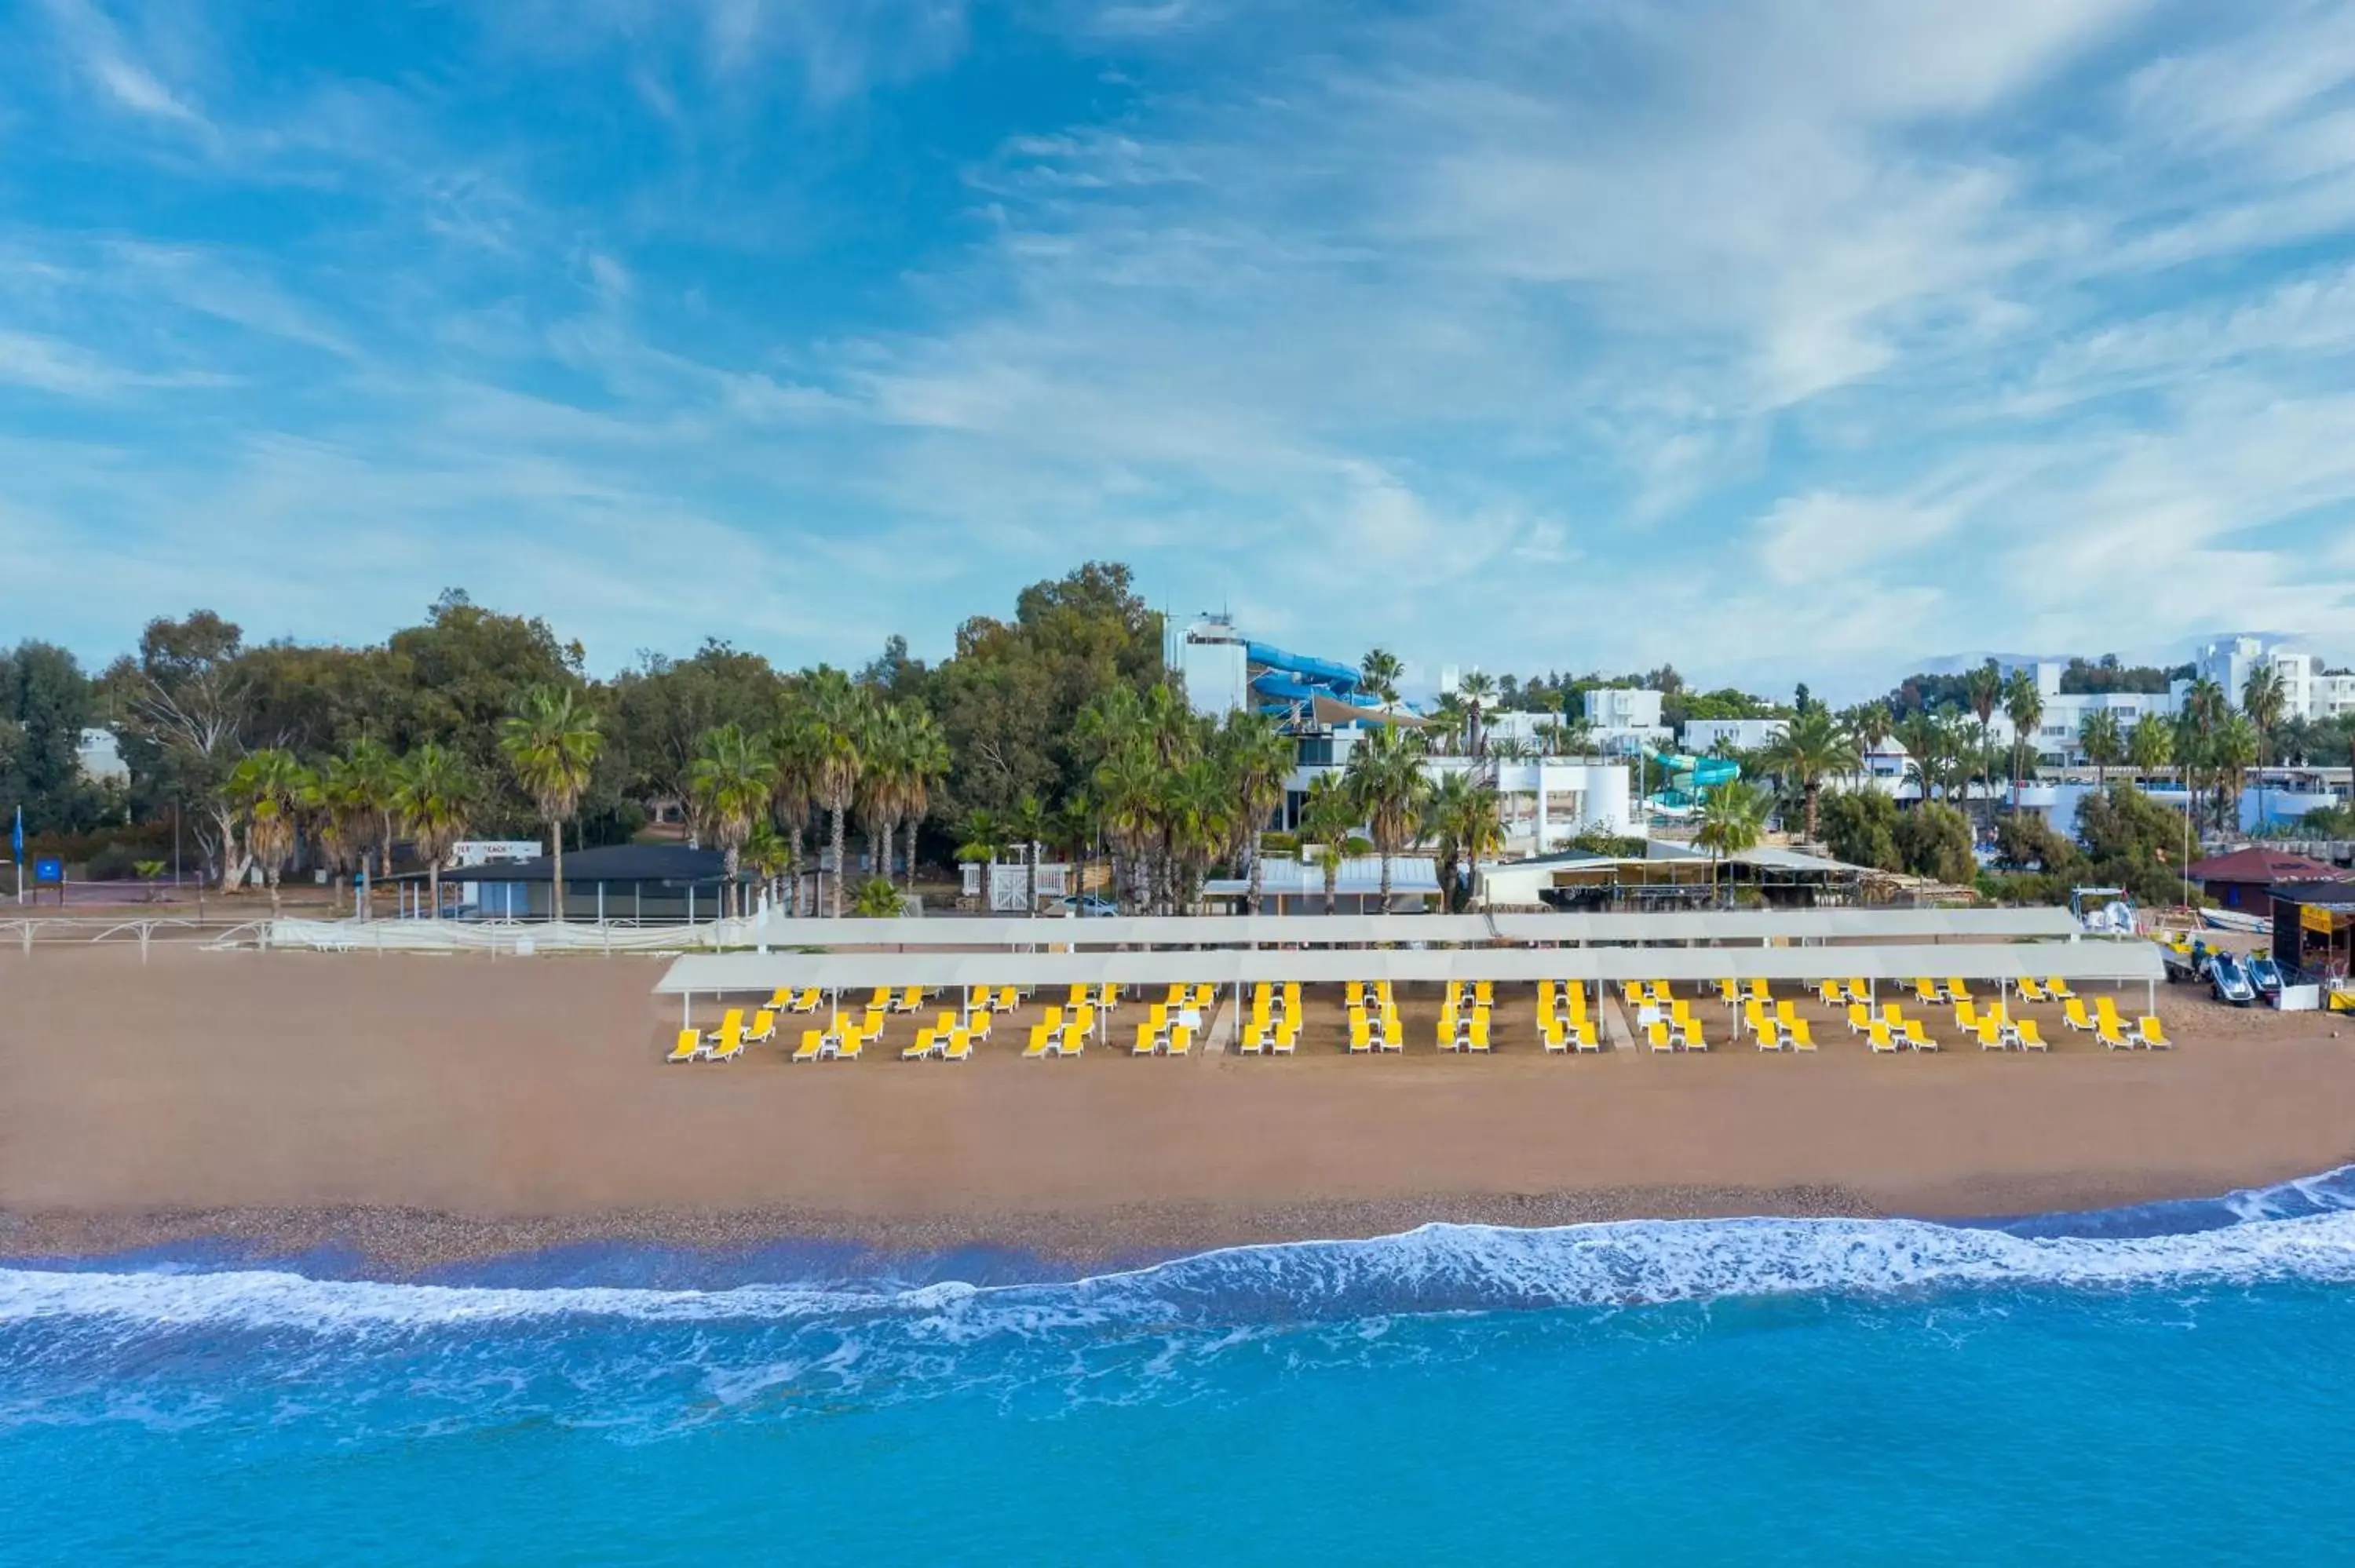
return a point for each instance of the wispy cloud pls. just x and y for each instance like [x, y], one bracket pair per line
[1505, 332]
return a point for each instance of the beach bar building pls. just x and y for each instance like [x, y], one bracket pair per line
[2314, 927]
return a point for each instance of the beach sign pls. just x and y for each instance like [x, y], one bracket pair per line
[48, 868]
[2314, 918]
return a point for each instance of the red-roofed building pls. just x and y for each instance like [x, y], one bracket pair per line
[2240, 880]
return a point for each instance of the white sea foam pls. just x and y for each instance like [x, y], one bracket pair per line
[1438, 1267]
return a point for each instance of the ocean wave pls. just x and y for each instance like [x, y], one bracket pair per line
[2302, 1231]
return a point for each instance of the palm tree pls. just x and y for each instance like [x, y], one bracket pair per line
[1328, 818]
[1198, 817]
[2262, 698]
[923, 762]
[434, 797]
[1479, 689]
[1379, 672]
[1732, 817]
[1868, 724]
[2233, 749]
[1925, 741]
[269, 789]
[1385, 776]
[766, 853]
[1982, 690]
[730, 780]
[357, 790]
[795, 745]
[2024, 703]
[876, 899]
[551, 742]
[1127, 785]
[839, 711]
[1028, 823]
[2103, 741]
[1812, 747]
[1465, 820]
[1259, 757]
[2150, 744]
[881, 788]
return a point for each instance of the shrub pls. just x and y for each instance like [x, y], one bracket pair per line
[1859, 826]
[1934, 841]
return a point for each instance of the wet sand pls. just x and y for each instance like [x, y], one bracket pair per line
[424, 1109]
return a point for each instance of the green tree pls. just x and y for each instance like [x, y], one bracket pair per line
[1928, 745]
[46, 696]
[1813, 748]
[2024, 703]
[1379, 672]
[1732, 818]
[183, 702]
[551, 741]
[1868, 724]
[924, 763]
[1465, 821]
[1935, 841]
[1260, 758]
[1859, 826]
[841, 715]
[796, 744]
[1983, 691]
[1028, 824]
[2150, 744]
[1479, 690]
[876, 899]
[1328, 818]
[270, 790]
[2262, 698]
[766, 853]
[356, 793]
[2104, 742]
[730, 781]
[435, 799]
[2233, 749]
[1385, 778]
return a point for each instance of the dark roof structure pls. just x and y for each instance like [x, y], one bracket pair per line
[2326, 892]
[2259, 865]
[672, 863]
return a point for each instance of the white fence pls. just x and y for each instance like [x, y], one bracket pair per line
[1010, 884]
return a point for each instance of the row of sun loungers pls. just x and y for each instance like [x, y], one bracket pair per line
[1276, 1017]
[1374, 1023]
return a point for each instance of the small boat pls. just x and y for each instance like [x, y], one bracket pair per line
[2236, 920]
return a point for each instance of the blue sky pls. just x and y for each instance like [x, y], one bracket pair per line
[1782, 341]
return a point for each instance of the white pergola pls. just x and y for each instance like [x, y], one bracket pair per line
[1765, 926]
[2092, 960]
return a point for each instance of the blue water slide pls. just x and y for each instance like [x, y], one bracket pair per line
[1334, 679]
[1282, 684]
[1697, 772]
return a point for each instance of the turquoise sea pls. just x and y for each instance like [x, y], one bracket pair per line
[2169, 1383]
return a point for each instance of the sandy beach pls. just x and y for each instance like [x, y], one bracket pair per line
[424, 1109]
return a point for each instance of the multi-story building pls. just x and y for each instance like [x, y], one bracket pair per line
[1624, 719]
[1704, 736]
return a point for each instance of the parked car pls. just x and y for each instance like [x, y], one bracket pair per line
[1087, 904]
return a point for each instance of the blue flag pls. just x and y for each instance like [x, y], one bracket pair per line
[17, 838]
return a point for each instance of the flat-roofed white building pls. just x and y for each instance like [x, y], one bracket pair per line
[1704, 736]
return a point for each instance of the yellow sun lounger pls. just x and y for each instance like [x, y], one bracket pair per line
[1916, 1039]
[1181, 1039]
[1882, 1041]
[1990, 1034]
[2072, 1012]
[689, 1046]
[2105, 1030]
[1656, 1032]
[2148, 1033]
[2031, 1038]
[764, 1028]
[812, 1045]
[1860, 1018]
[2031, 991]
[730, 1041]
[2057, 989]
[1802, 1038]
